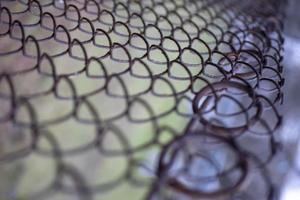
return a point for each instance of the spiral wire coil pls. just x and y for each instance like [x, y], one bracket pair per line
[217, 64]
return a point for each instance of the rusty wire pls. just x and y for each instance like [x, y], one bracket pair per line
[232, 49]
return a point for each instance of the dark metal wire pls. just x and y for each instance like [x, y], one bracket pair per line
[232, 48]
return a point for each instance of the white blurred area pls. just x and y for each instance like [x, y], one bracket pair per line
[290, 131]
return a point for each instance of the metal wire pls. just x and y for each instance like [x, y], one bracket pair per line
[213, 64]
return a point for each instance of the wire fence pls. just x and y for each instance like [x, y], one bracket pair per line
[150, 99]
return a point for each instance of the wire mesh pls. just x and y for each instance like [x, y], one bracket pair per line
[129, 99]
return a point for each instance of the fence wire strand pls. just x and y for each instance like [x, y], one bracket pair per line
[174, 99]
